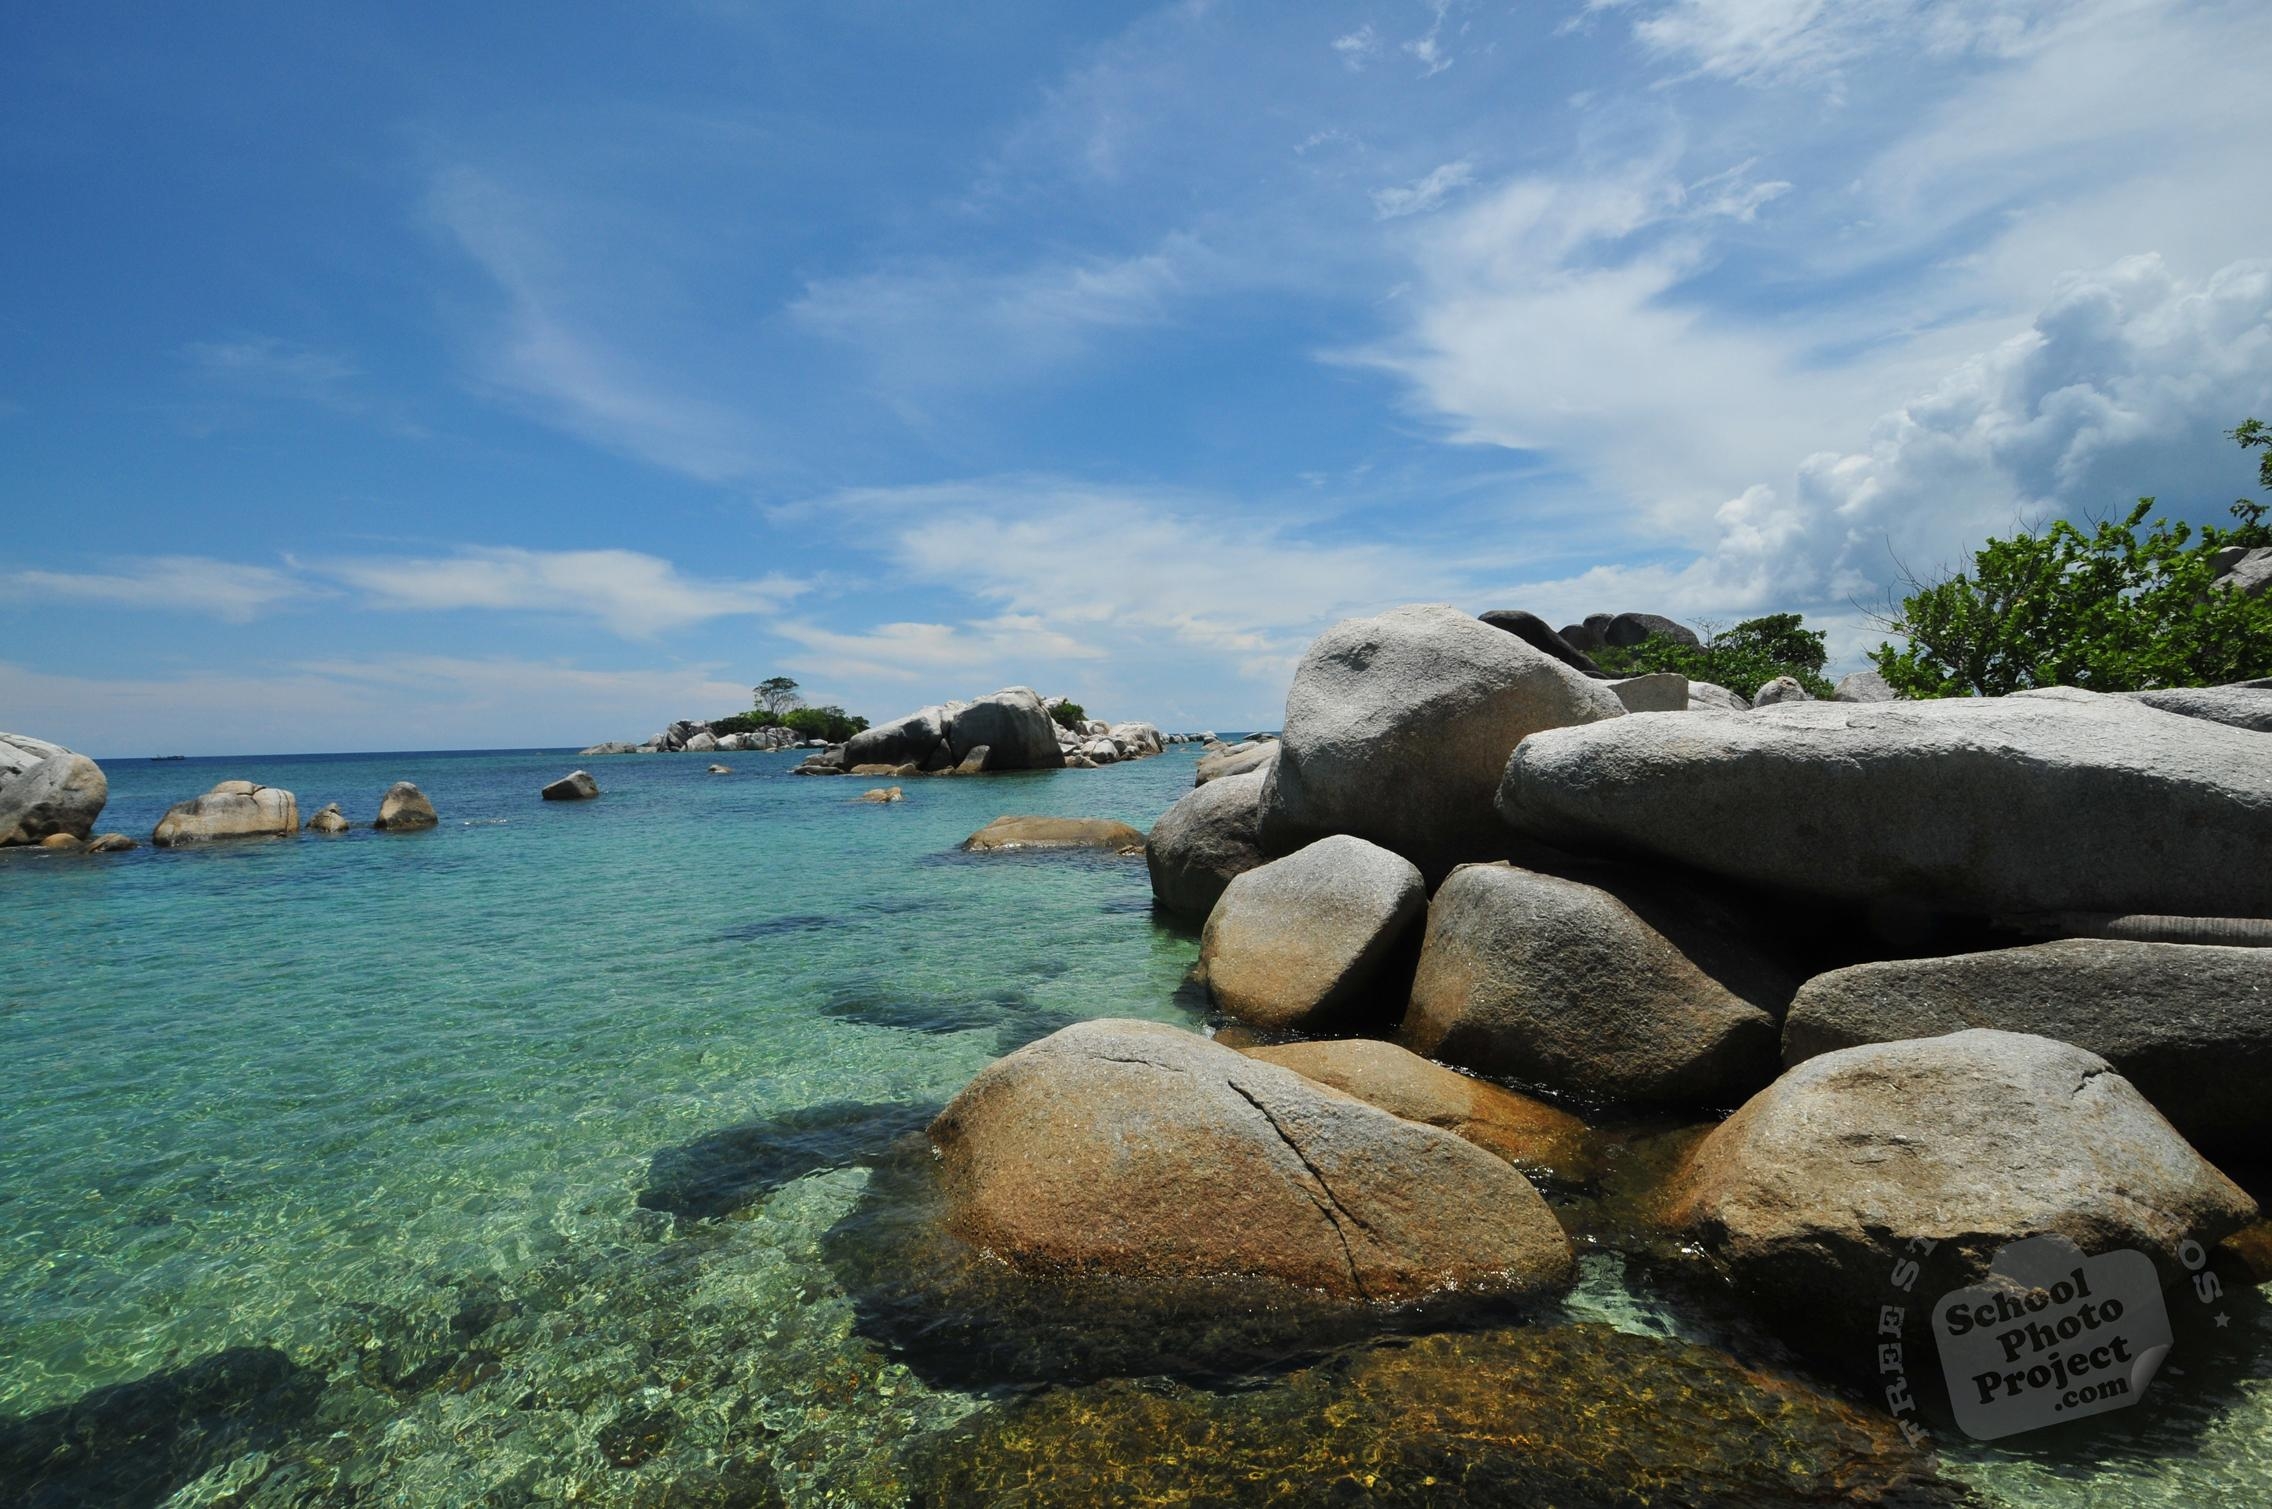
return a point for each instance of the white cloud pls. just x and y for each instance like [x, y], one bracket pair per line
[1776, 41]
[635, 594]
[1422, 194]
[268, 361]
[1359, 47]
[1428, 47]
[232, 591]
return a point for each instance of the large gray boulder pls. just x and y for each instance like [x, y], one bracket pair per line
[1714, 697]
[904, 741]
[1235, 759]
[1561, 984]
[1137, 739]
[1015, 728]
[2190, 1026]
[1398, 728]
[1656, 692]
[1535, 632]
[47, 790]
[1305, 942]
[2242, 570]
[575, 786]
[1782, 689]
[1207, 839]
[2049, 802]
[1628, 629]
[232, 809]
[1940, 1150]
[1862, 686]
[404, 807]
[2247, 707]
[1136, 1150]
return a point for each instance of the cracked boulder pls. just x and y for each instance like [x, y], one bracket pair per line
[1942, 1150]
[232, 809]
[1132, 1149]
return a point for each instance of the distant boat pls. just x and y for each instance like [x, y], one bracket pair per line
[155, 759]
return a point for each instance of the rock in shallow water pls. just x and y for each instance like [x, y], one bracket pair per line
[2058, 801]
[328, 819]
[1309, 941]
[1809, 1196]
[1055, 833]
[2190, 1026]
[1207, 839]
[404, 807]
[1579, 1417]
[60, 793]
[1133, 1149]
[1398, 729]
[232, 809]
[1558, 983]
[575, 786]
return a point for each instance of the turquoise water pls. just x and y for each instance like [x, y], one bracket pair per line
[500, 1162]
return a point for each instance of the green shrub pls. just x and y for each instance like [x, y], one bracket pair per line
[1743, 659]
[831, 723]
[1069, 714]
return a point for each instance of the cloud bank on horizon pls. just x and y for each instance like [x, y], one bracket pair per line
[407, 379]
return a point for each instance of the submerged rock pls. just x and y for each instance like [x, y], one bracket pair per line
[1129, 1148]
[1207, 839]
[2059, 801]
[1398, 729]
[575, 786]
[1306, 942]
[1808, 1197]
[721, 1172]
[1055, 833]
[882, 794]
[404, 806]
[328, 819]
[2190, 1026]
[1559, 983]
[46, 789]
[110, 843]
[232, 809]
[1578, 1417]
[1530, 1134]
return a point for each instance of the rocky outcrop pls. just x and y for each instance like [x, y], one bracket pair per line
[1133, 1149]
[2243, 570]
[1235, 759]
[575, 786]
[2047, 802]
[1398, 728]
[1862, 686]
[911, 739]
[46, 790]
[2247, 707]
[328, 819]
[404, 807]
[1137, 740]
[1783, 689]
[1532, 1135]
[232, 809]
[613, 747]
[1015, 728]
[1940, 1150]
[1535, 632]
[1207, 839]
[2190, 1026]
[1306, 942]
[1055, 833]
[1558, 983]
[1627, 629]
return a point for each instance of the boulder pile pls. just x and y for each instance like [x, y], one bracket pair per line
[1012, 729]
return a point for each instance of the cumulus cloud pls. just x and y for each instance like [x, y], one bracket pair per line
[1423, 193]
[635, 594]
[233, 591]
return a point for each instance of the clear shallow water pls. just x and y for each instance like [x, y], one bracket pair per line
[437, 1129]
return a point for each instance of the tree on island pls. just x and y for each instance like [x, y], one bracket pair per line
[775, 694]
[2107, 609]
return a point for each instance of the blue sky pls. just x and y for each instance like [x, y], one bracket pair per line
[415, 376]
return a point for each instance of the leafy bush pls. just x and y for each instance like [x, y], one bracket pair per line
[1743, 659]
[831, 723]
[1069, 714]
[2110, 610]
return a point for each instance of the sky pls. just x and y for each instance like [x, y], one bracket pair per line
[420, 376]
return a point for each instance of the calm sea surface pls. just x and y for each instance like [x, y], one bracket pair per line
[497, 1163]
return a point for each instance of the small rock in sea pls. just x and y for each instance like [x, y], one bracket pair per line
[1208, 838]
[404, 807]
[721, 770]
[1136, 1149]
[1530, 1134]
[974, 762]
[328, 819]
[110, 843]
[1306, 942]
[1055, 833]
[575, 786]
[882, 794]
[63, 841]
[1942, 1150]
[232, 809]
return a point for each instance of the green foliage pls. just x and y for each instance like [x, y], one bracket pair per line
[1069, 714]
[2250, 433]
[1743, 658]
[775, 694]
[2110, 610]
[831, 723]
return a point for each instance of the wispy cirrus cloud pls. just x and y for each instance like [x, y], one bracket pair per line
[1424, 193]
[232, 591]
[635, 594]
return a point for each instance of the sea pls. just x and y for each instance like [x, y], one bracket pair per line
[536, 1158]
